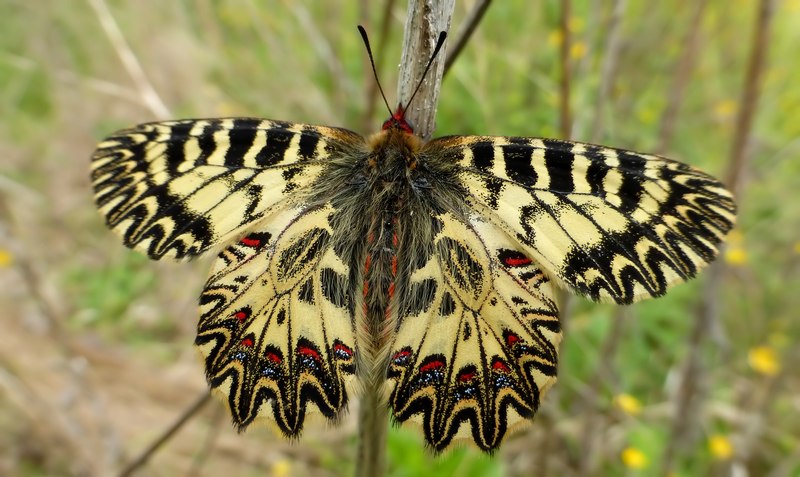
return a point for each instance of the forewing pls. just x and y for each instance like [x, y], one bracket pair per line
[276, 327]
[477, 337]
[611, 224]
[177, 188]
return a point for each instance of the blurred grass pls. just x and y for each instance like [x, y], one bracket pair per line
[85, 402]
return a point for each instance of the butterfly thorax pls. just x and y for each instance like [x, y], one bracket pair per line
[393, 187]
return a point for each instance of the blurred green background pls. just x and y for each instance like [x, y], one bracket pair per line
[96, 355]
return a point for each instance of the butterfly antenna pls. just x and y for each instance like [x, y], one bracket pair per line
[439, 43]
[372, 63]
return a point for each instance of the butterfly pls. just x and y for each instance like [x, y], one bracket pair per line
[428, 269]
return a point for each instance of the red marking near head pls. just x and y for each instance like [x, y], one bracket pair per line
[240, 315]
[464, 377]
[398, 121]
[306, 351]
[432, 366]
[498, 365]
[250, 242]
[517, 261]
[395, 240]
[247, 342]
[273, 357]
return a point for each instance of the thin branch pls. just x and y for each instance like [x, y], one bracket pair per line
[749, 100]
[609, 68]
[683, 73]
[185, 417]
[146, 90]
[425, 20]
[465, 32]
[689, 390]
[565, 127]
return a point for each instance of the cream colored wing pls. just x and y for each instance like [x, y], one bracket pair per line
[477, 337]
[276, 326]
[177, 188]
[610, 224]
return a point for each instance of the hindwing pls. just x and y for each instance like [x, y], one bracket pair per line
[276, 327]
[610, 224]
[477, 337]
[177, 188]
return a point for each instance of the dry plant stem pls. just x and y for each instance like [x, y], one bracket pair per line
[603, 375]
[683, 73]
[565, 124]
[465, 32]
[187, 415]
[426, 18]
[129, 61]
[609, 68]
[736, 165]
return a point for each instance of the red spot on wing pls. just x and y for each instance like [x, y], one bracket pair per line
[306, 351]
[250, 242]
[518, 261]
[511, 339]
[401, 355]
[340, 348]
[247, 342]
[431, 366]
[466, 376]
[499, 365]
[241, 315]
[273, 357]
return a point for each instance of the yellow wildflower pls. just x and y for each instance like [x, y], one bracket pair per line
[634, 458]
[764, 360]
[720, 447]
[628, 403]
[577, 50]
[555, 38]
[725, 109]
[281, 468]
[735, 255]
[6, 259]
[575, 24]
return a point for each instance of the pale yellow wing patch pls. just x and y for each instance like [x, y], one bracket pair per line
[611, 224]
[477, 337]
[276, 327]
[177, 188]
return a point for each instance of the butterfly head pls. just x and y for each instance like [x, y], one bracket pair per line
[398, 121]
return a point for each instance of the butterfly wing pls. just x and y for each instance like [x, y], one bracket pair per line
[610, 224]
[276, 327]
[477, 337]
[177, 188]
